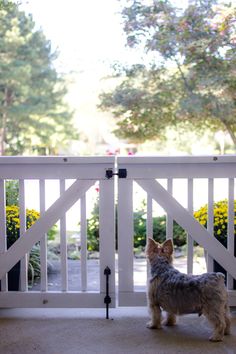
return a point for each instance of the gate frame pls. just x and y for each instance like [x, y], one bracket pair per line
[144, 171]
[85, 171]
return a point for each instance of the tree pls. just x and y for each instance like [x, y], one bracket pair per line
[33, 113]
[189, 82]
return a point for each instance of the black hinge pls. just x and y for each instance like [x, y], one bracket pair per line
[122, 173]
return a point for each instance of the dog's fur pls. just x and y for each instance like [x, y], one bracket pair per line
[178, 293]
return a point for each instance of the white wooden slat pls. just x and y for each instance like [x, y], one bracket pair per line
[63, 244]
[51, 299]
[41, 226]
[149, 226]
[210, 220]
[56, 167]
[83, 235]
[43, 241]
[24, 260]
[3, 241]
[178, 166]
[125, 235]
[189, 237]
[190, 224]
[169, 219]
[230, 228]
[107, 233]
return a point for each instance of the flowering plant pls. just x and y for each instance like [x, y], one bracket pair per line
[13, 222]
[220, 219]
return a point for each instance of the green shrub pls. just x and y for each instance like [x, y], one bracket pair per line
[159, 229]
[13, 233]
[220, 219]
[12, 192]
[93, 229]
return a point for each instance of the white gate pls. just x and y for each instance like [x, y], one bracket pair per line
[83, 173]
[149, 174]
[156, 177]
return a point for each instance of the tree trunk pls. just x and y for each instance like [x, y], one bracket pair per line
[7, 101]
[230, 131]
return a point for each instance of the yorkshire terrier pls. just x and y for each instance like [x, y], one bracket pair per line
[178, 293]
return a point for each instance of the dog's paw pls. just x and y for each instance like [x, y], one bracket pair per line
[152, 325]
[169, 323]
[216, 338]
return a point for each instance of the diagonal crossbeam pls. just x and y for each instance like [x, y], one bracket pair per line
[190, 224]
[25, 243]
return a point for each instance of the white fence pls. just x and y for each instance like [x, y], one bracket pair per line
[177, 184]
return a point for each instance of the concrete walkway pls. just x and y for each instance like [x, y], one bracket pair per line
[74, 331]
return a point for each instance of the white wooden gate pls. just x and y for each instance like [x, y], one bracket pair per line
[84, 172]
[145, 171]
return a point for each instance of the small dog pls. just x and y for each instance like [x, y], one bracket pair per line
[178, 293]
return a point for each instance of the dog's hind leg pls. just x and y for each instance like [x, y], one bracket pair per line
[170, 319]
[218, 321]
[227, 319]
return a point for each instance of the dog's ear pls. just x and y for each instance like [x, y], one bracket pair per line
[151, 247]
[167, 247]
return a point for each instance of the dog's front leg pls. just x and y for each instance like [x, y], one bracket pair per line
[155, 312]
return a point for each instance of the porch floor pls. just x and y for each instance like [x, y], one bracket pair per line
[85, 331]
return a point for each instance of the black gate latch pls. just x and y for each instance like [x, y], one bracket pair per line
[107, 299]
[122, 173]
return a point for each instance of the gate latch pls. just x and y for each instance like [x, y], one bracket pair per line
[122, 173]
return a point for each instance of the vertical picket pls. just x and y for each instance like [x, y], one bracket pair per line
[189, 237]
[125, 235]
[169, 221]
[210, 219]
[43, 241]
[83, 235]
[24, 261]
[63, 245]
[149, 226]
[230, 231]
[3, 239]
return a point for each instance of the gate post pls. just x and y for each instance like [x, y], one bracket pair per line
[107, 235]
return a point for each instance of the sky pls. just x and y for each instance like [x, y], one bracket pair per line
[88, 34]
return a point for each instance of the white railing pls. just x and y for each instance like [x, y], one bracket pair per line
[179, 185]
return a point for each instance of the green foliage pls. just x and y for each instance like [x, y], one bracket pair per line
[12, 192]
[220, 219]
[93, 229]
[190, 83]
[159, 230]
[13, 222]
[34, 269]
[13, 233]
[34, 117]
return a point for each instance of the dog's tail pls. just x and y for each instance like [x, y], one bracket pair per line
[221, 278]
[220, 275]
